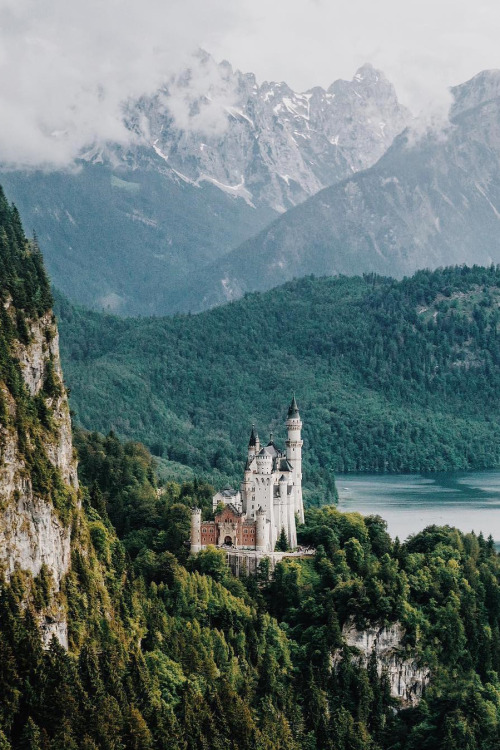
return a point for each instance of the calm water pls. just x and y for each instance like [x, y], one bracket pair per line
[410, 502]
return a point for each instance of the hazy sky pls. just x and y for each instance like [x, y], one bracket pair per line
[66, 66]
[423, 47]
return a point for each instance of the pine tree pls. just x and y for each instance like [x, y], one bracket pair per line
[282, 543]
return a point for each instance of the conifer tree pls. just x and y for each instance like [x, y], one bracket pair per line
[282, 542]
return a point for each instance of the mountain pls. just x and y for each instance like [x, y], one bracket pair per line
[390, 376]
[118, 235]
[280, 146]
[433, 199]
[122, 228]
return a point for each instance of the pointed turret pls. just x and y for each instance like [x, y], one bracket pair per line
[294, 455]
[253, 443]
[293, 409]
[253, 438]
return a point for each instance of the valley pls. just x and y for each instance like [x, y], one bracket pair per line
[390, 376]
[249, 379]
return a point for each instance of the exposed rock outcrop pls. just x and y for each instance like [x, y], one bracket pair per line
[32, 531]
[431, 200]
[407, 677]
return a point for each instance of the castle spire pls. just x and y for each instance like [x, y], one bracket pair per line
[293, 409]
[253, 438]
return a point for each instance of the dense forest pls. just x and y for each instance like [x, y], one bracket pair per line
[390, 376]
[171, 652]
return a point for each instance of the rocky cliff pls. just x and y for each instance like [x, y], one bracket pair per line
[407, 678]
[38, 477]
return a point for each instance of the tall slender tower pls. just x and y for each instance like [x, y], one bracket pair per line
[246, 485]
[195, 530]
[294, 455]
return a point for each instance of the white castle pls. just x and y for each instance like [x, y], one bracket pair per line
[269, 501]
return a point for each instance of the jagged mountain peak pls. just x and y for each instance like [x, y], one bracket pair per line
[368, 71]
[281, 146]
[429, 201]
[476, 91]
[123, 231]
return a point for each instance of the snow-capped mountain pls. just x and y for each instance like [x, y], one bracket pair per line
[432, 200]
[279, 147]
[122, 231]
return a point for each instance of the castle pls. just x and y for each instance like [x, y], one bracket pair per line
[269, 500]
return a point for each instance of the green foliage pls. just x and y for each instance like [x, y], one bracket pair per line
[442, 586]
[150, 518]
[167, 656]
[282, 542]
[390, 376]
[25, 300]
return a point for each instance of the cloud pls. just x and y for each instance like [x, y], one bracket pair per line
[68, 69]
[198, 97]
[423, 47]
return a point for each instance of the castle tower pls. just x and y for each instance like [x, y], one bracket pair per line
[195, 530]
[253, 444]
[246, 485]
[294, 455]
[283, 519]
[261, 541]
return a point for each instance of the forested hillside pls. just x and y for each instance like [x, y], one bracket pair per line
[389, 376]
[169, 653]
[166, 652]
[94, 653]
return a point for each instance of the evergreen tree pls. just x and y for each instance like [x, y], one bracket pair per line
[282, 542]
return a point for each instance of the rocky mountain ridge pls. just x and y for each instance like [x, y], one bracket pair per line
[280, 146]
[433, 199]
[121, 231]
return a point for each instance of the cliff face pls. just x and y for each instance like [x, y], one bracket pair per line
[406, 676]
[35, 359]
[38, 477]
[34, 533]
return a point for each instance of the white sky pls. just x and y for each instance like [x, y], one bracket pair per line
[423, 46]
[66, 66]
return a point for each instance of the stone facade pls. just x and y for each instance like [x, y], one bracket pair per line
[230, 528]
[269, 501]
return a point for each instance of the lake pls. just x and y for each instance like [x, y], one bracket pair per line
[410, 502]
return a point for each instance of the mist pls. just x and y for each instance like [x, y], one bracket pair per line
[69, 69]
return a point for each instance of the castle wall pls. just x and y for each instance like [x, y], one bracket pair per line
[241, 530]
[208, 533]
